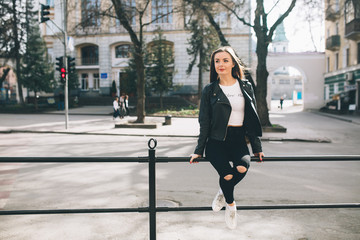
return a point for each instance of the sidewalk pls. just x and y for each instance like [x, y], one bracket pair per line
[298, 124]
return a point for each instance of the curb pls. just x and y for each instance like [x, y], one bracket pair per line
[336, 117]
[161, 135]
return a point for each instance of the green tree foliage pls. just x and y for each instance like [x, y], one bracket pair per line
[36, 70]
[159, 65]
[113, 88]
[202, 42]
[12, 35]
[130, 79]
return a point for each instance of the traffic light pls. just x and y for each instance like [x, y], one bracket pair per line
[59, 63]
[61, 68]
[63, 75]
[44, 13]
[71, 64]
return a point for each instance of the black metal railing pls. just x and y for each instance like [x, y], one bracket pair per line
[151, 159]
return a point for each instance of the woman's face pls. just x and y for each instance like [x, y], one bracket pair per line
[223, 63]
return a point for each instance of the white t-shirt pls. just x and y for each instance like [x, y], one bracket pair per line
[116, 105]
[237, 102]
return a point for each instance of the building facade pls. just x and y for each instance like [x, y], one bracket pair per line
[342, 75]
[283, 82]
[101, 45]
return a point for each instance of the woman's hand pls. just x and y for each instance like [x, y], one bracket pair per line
[193, 157]
[260, 155]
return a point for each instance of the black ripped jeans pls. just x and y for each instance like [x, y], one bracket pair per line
[220, 153]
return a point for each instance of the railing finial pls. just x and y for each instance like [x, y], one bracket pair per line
[152, 141]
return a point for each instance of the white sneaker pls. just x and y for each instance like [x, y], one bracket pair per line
[218, 202]
[230, 217]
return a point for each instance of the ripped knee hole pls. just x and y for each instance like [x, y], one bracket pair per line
[228, 177]
[241, 169]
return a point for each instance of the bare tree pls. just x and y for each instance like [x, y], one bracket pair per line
[264, 36]
[124, 13]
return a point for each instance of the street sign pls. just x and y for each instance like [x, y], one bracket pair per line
[103, 75]
[350, 87]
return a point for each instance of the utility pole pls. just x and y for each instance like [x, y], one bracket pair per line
[43, 18]
[66, 64]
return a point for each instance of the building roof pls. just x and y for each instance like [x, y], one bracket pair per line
[280, 34]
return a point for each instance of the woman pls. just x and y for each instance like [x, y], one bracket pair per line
[227, 115]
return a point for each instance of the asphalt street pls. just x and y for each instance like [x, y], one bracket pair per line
[111, 185]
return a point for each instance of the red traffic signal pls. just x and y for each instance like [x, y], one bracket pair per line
[63, 73]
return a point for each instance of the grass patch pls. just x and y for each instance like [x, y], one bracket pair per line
[181, 112]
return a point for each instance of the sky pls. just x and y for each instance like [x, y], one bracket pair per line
[296, 27]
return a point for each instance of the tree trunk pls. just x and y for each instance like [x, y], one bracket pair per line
[16, 51]
[261, 80]
[35, 101]
[140, 87]
[161, 102]
[200, 76]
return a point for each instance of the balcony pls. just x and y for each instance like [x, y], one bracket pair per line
[352, 29]
[332, 14]
[90, 61]
[333, 43]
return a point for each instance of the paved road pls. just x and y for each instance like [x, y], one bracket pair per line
[80, 185]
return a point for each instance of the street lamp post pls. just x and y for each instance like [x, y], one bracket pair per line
[43, 18]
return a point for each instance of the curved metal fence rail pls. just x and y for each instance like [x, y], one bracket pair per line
[151, 159]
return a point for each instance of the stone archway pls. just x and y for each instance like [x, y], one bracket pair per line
[311, 65]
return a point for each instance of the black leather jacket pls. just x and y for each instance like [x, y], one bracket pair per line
[215, 110]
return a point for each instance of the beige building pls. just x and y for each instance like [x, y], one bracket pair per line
[101, 46]
[342, 32]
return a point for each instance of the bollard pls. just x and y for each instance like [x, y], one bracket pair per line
[152, 188]
[167, 120]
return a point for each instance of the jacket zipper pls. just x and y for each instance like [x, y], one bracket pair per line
[228, 119]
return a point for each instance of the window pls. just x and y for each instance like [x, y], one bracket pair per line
[349, 11]
[130, 9]
[337, 29]
[50, 3]
[358, 53]
[84, 81]
[298, 82]
[161, 11]
[90, 55]
[347, 57]
[221, 19]
[123, 51]
[284, 81]
[96, 81]
[336, 61]
[327, 64]
[165, 47]
[90, 13]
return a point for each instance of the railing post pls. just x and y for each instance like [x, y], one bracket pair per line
[152, 189]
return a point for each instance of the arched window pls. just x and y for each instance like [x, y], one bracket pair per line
[123, 51]
[161, 11]
[90, 55]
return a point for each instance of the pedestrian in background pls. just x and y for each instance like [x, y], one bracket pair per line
[228, 115]
[127, 105]
[116, 108]
[122, 106]
[61, 101]
[281, 102]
